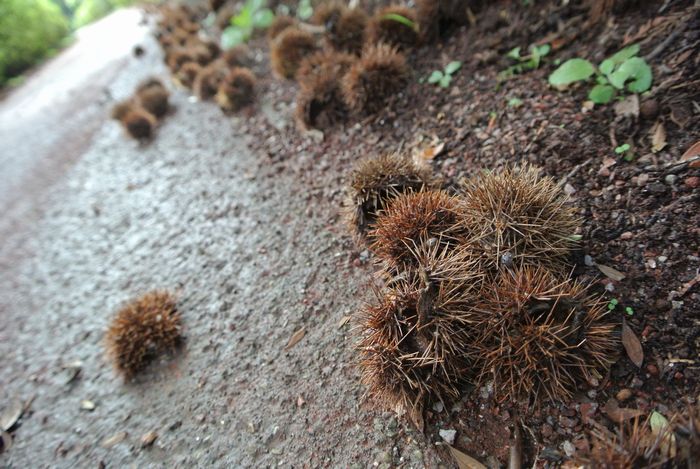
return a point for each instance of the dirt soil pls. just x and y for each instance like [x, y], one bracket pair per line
[241, 216]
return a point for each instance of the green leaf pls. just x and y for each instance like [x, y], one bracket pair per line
[401, 19]
[635, 69]
[601, 94]
[514, 53]
[622, 55]
[601, 80]
[262, 19]
[515, 102]
[435, 77]
[232, 36]
[543, 50]
[622, 148]
[305, 10]
[452, 67]
[445, 81]
[244, 19]
[606, 66]
[537, 53]
[571, 71]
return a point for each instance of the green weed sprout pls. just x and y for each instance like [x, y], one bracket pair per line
[254, 15]
[619, 73]
[525, 62]
[444, 78]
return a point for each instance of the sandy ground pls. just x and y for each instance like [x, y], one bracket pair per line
[91, 218]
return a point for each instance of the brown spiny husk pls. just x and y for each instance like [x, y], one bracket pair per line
[121, 109]
[281, 23]
[139, 123]
[632, 445]
[150, 83]
[237, 90]
[154, 99]
[414, 338]
[522, 217]
[289, 49]
[345, 27]
[206, 83]
[380, 73]
[141, 329]
[414, 216]
[178, 57]
[543, 337]
[382, 29]
[436, 17]
[320, 104]
[187, 73]
[238, 56]
[375, 181]
[325, 63]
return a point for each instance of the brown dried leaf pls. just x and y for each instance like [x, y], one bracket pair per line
[619, 414]
[148, 439]
[114, 440]
[632, 345]
[658, 137]
[612, 274]
[465, 461]
[10, 415]
[628, 106]
[692, 152]
[416, 416]
[295, 338]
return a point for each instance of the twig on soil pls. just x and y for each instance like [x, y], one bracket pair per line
[660, 48]
[516, 449]
[573, 172]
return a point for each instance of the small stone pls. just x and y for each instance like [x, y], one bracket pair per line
[568, 448]
[636, 382]
[670, 179]
[627, 235]
[642, 179]
[588, 260]
[623, 395]
[567, 422]
[649, 109]
[148, 439]
[546, 430]
[87, 405]
[438, 407]
[652, 369]
[693, 182]
[448, 436]
[569, 189]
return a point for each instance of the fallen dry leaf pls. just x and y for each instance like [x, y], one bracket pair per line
[662, 432]
[428, 152]
[692, 152]
[6, 441]
[10, 415]
[295, 338]
[612, 274]
[148, 439]
[465, 461]
[300, 401]
[632, 345]
[619, 414]
[628, 106]
[113, 440]
[658, 137]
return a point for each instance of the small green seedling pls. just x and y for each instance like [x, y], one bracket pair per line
[305, 10]
[624, 150]
[515, 102]
[629, 311]
[444, 78]
[401, 19]
[619, 73]
[254, 15]
[526, 62]
[612, 304]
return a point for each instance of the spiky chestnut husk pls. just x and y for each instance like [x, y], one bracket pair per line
[206, 83]
[522, 218]
[238, 56]
[688, 431]
[436, 17]
[121, 109]
[139, 123]
[236, 90]
[632, 445]
[224, 15]
[212, 47]
[178, 58]
[347, 34]
[280, 24]
[375, 181]
[319, 103]
[413, 339]
[201, 53]
[323, 64]
[381, 29]
[380, 73]
[141, 329]
[187, 73]
[414, 216]
[154, 99]
[214, 5]
[327, 12]
[543, 337]
[148, 83]
[289, 49]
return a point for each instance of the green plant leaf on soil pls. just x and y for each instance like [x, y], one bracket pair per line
[601, 94]
[515, 102]
[445, 81]
[621, 56]
[601, 80]
[514, 53]
[400, 19]
[262, 19]
[622, 148]
[232, 36]
[435, 77]
[571, 71]
[305, 10]
[452, 67]
[635, 69]
[244, 19]
[537, 53]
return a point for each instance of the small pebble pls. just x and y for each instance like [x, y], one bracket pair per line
[623, 395]
[448, 436]
[693, 182]
[568, 448]
[670, 179]
[588, 260]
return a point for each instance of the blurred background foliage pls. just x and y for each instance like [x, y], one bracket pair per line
[31, 30]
